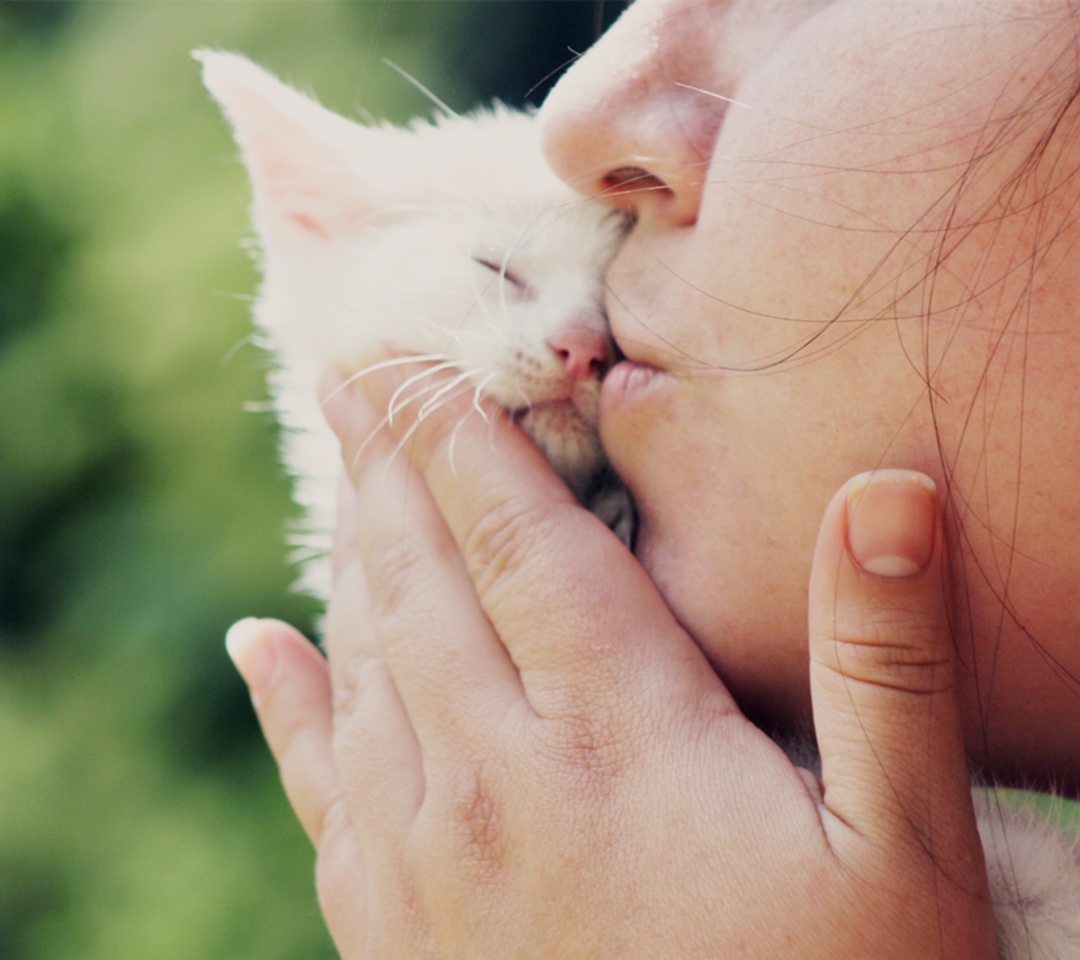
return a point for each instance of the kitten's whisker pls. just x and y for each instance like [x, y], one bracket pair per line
[524, 395]
[385, 422]
[430, 404]
[400, 447]
[382, 365]
[478, 393]
[418, 396]
[428, 410]
[408, 434]
[562, 66]
[427, 324]
[499, 332]
[251, 338]
[459, 335]
[424, 323]
[396, 405]
[404, 359]
[452, 446]
[408, 77]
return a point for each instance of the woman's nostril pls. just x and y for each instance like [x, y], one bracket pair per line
[625, 180]
[623, 175]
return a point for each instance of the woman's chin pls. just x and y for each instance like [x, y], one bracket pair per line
[757, 648]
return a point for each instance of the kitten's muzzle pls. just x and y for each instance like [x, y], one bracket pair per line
[583, 353]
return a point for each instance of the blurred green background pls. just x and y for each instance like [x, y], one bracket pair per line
[141, 509]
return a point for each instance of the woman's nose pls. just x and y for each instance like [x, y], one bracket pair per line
[634, 121]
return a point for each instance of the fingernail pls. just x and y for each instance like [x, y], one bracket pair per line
[892, 522]
[253, 659]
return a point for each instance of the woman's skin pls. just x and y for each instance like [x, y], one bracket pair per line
[522, 747]
[864, 171]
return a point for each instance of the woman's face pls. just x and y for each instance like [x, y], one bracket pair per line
[842, 260]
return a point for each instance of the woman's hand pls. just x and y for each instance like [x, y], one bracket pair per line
[517, 752]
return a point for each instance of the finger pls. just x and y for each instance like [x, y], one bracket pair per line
[341, 881]
[375, 749]
[572, 606]
[453, 674]
[290, 689]
[350, 602]
[344, 545]
[883, 675]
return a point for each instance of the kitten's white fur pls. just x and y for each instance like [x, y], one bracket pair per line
[449, 239]
[1034, 871]
[371, 237]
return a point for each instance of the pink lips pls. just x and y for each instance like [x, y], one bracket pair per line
[629, 382]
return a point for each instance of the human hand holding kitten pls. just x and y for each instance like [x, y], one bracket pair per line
[518, 752]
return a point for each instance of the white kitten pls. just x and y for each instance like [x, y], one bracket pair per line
[452, 240]
[1034, 871]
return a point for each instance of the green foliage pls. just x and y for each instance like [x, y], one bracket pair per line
[141, 509]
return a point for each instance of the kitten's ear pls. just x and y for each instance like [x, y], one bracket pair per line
[304, 160]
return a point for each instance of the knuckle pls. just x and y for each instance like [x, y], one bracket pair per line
[480, 827]
[592, 746]
[358, 680]
[890, 649]
[365, 752]
[404, 573]
[499, 545]
[584, 748]
[334, 861]
[334, 835]
[468, 817]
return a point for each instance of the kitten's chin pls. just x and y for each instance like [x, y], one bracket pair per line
[568, 440]
[553, 419]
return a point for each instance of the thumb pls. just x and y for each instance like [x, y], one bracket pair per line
[883, 673]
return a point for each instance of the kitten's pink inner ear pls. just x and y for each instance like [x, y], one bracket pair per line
[310, 225]
[302, 159]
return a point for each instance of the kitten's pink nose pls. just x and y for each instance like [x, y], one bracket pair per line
[584, 353]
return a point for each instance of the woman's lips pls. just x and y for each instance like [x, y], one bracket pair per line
[630, 382]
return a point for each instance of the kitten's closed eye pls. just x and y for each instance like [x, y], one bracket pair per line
[501, 270]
